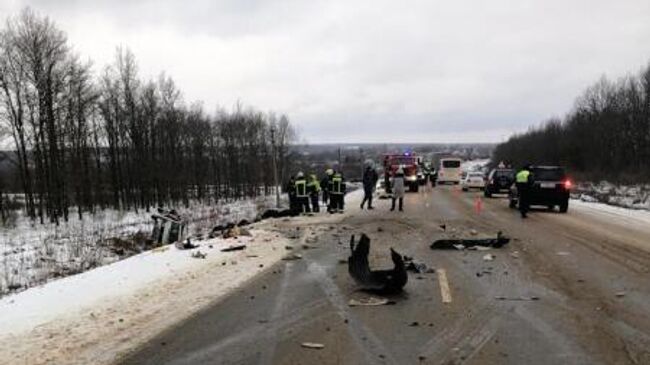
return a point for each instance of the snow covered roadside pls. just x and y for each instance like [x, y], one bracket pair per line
[622, 216]
[91, 317]
[99, 315]
[627, 196]
[610, 222]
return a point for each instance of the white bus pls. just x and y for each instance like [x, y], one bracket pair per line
[449, 170]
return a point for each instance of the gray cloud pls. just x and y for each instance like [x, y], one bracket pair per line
[372, 70]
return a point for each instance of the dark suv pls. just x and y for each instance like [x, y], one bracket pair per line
[550, 187]
[499, 181]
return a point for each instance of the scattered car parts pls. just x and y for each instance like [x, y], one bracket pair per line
[384, 281]
[463, 243]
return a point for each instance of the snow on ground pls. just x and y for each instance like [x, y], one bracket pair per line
[115, 307]
[32, 253]
[474, 165]
[628, 196]
[622, 216]
[101, 314]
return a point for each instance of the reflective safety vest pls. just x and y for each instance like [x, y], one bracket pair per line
[313, 185]
[522, 176]
[301, 188]
[336, 184]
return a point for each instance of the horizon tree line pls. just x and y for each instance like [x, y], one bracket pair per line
[605, 136]
[116, 140]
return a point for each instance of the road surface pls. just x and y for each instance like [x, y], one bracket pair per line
[590, 273]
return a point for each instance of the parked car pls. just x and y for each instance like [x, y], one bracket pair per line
[473, 180]
[449, 170]
[499, 181]
[550, 188]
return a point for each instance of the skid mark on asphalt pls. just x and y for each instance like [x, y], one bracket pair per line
[565, 347]
[472, 342]
[372, 345]
[632, 260]
[635, 342]
[259, 334]
[476, 327]
[278, 308]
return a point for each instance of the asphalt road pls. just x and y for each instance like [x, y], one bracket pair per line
[590, 273]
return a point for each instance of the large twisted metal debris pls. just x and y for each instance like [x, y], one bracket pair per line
[384, 281]
[468, 243]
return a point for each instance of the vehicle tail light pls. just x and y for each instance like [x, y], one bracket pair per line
[567, 184]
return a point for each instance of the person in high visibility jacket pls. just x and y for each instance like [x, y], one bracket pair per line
[313, 189]
[523, 180]
[325, 185]
[337, 190]
[302, 195]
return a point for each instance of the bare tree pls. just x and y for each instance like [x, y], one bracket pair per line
[115, 140]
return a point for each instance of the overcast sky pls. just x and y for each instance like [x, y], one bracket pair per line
[371, 71]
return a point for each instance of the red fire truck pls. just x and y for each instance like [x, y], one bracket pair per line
[409, 163]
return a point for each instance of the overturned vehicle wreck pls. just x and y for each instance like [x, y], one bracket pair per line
[168, 227]
[381, 281]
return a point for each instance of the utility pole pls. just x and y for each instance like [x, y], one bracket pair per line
[340, 164]
[275, 168]
[361, 162]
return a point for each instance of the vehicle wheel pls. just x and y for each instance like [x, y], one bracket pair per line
[564, 207]
[487, 193]
[513, 204]
[550, 207]
[465, 189]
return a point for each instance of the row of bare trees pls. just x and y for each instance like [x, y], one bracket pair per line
[605, 136]
[115, 140]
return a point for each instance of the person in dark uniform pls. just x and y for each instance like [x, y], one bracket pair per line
[370, 178]
[325, 185]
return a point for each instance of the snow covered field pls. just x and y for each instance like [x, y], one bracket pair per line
[31, 253]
